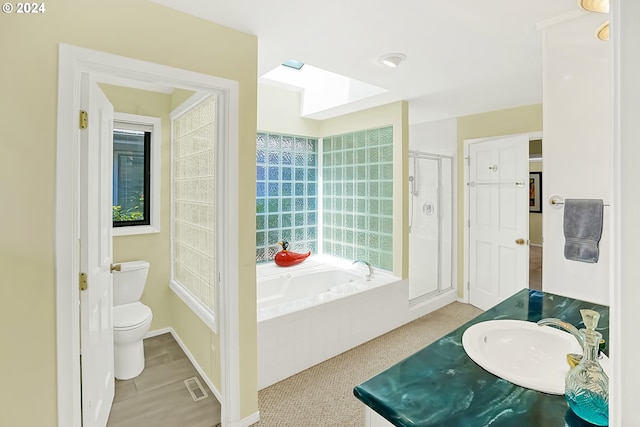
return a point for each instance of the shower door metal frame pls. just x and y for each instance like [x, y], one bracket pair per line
[438, 157]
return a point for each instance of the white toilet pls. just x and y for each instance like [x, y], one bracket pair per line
[131, 319]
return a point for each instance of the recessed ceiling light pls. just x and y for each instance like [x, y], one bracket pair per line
[601, 6]
[603, 31]
[393, 59]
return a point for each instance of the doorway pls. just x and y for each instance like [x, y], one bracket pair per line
[108, 68]
[536, 206]
[496, 218]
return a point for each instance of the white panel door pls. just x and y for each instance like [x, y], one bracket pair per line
[96, 320]
[498, 219]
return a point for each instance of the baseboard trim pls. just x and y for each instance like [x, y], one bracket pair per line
[192, 359]
[430, 305]
[157, 332]
[245, 422]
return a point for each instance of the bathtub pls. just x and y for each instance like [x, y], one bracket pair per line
[318, 309]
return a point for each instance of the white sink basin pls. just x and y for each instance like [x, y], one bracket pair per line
[523, 353]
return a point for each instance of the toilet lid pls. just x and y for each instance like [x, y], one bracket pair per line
[127, 316]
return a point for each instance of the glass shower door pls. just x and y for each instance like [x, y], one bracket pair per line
[430, 225]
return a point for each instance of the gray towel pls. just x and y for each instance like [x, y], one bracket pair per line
[582, 229]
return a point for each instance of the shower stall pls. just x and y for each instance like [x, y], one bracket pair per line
[430, 225]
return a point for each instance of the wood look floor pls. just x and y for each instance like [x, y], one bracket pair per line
[158, 397]
[535, 267]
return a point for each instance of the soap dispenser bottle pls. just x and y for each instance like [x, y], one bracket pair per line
[587, 385]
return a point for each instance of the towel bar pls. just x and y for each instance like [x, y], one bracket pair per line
[517, 183]
[556, 201]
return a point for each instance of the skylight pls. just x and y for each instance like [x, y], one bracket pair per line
[322, 90]
[293, 63]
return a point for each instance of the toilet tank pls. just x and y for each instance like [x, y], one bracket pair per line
[128, 283]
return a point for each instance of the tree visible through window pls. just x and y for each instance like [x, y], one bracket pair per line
[131, 177]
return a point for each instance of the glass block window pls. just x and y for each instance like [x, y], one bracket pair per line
[194, 197]
[357, 170]
[286, 193]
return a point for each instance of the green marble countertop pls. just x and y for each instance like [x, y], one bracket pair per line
[441, 386]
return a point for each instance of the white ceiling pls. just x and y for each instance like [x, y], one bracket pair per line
[463, 56]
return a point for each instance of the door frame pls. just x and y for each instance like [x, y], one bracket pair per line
[72, 61]
[465, 225]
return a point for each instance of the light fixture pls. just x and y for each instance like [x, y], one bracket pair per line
[601, 6]
[603, 31]
[393, 59]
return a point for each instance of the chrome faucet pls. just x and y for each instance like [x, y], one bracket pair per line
[561, 324]
[370, 275]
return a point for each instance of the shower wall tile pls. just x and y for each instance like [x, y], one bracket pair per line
[286, 193]
[358, 196]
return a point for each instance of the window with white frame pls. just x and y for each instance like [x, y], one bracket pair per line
[136, 174]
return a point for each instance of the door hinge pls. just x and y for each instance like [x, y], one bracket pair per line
[83, 119]
[83, 281]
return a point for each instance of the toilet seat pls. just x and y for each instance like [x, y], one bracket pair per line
[130, 316]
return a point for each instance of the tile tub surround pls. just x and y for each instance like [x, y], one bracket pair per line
[441, 386]
[303, 332]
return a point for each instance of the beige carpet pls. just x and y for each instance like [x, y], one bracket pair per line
[322, 396]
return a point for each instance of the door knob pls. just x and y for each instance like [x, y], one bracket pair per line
[520, 241]
[116, 267]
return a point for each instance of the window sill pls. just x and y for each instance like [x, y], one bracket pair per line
[136, 229]
[200, 310]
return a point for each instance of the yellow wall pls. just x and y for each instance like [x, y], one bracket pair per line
[202, 343]
[153, 247]
[29, 85]
[495, 123]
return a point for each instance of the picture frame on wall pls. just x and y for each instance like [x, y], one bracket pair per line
[535, 192]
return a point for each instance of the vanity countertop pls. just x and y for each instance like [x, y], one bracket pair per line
[441, 386]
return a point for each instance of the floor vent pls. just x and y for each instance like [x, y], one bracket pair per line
[195, 389]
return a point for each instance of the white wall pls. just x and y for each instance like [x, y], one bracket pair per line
[279, 112]
[439, 137]
[577, 149]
